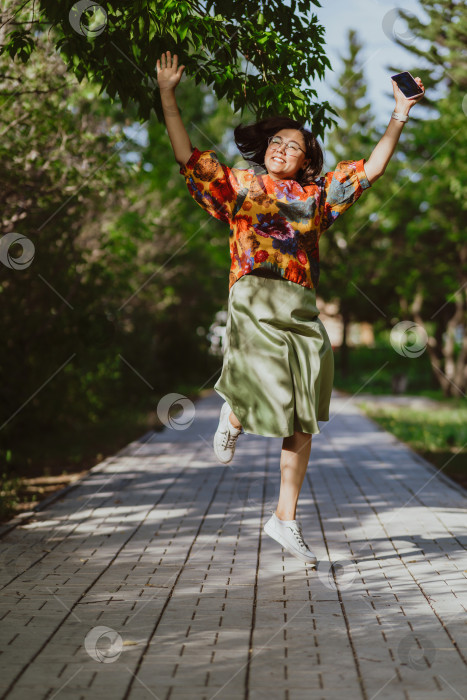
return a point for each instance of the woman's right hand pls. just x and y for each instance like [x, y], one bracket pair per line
[168, 77]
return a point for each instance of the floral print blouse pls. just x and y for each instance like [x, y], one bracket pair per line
[274, 224]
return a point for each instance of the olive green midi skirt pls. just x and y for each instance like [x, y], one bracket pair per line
[278, 366]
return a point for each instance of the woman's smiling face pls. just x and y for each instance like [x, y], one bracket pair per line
[283, 163]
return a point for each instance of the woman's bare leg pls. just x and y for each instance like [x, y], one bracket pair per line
[294, 461]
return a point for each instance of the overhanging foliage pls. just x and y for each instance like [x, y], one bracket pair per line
[256, 55]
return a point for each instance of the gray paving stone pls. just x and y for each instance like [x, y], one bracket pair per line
[162, 548]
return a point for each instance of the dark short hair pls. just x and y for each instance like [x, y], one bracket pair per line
[252, 142]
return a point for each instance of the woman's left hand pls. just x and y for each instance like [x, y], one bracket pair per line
[403, 103]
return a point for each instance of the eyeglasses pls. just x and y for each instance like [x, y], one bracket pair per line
[291, 147]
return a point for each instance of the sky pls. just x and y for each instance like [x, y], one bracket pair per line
[375, 23]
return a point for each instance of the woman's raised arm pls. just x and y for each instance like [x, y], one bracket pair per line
[381, 155]
[168, 78]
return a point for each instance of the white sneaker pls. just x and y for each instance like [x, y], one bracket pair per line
[289, 535]
[226, 436]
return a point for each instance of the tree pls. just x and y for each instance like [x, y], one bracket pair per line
[348, 251]
[117, 289]
[434, 290]
[439, 39]
[256, 56]
[53, 185]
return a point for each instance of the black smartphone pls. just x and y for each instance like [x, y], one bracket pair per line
[407, 84]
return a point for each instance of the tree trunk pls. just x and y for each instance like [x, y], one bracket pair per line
[344, 347]
[457, 367]
[434, 345]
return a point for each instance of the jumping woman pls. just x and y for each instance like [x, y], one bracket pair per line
[278, 366]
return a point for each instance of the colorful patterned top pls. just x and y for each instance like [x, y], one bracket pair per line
[274, 224]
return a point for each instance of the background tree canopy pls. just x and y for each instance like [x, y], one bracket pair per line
[115, 308]
[255, 55]
[402, 252]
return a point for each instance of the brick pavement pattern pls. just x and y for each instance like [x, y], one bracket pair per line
[152, 576]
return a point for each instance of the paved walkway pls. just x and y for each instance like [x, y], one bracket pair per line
[152, 578]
